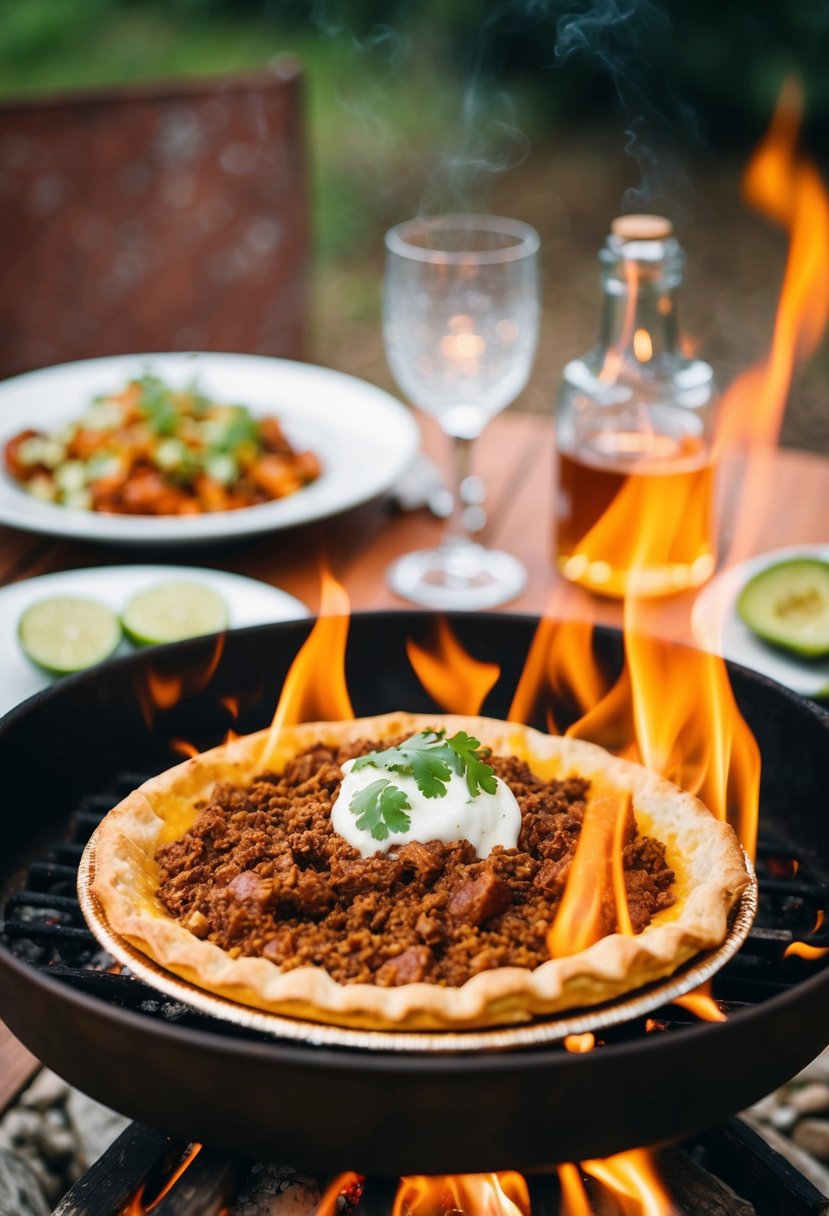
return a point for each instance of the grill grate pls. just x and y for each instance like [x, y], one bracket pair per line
[44, 926]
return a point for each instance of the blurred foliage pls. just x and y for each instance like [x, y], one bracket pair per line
[420, 102]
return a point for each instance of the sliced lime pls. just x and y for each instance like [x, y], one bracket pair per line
[64, 634]
[788, 604]
[171, 611]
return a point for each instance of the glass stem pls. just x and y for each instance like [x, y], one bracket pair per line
[457, 532]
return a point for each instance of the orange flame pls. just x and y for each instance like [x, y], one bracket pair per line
[341, 1188]
[804, 949]
[574, 1201]
[582, 918]
[701, 1003]
[503, 1194]
[633, 1181]
[231, 704]
[137, 1207]
[162, 690]
[184, 748]
[452, 677]
[315, 686]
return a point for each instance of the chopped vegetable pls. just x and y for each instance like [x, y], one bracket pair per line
[154, 450]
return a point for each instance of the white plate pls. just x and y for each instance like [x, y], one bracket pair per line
[363, 436]
[249, 602]
[810, 678]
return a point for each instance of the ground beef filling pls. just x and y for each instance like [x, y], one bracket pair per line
[262, 872]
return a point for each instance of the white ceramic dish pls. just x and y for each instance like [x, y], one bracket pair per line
[249, 602]
[810, 678]
[364, 437]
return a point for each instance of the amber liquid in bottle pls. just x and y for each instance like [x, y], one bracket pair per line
[634, 514]
[634, 425]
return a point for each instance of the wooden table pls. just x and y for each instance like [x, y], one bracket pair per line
[514, 457]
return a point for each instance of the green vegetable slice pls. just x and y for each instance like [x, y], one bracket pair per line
[168, 612]
[63, 634]
[787, 604]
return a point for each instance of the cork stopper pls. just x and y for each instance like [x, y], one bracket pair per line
[641, 227]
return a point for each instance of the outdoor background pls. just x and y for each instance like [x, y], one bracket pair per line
[559, 112]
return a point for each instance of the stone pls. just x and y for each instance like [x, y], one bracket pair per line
[810, 1099]
[57, 1144]
[783, 1118]
[21, 1126]
[46, 1090]
[95, 1126]
[20, 1192]
[813, 1136]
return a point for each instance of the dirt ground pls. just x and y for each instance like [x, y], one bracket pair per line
[570, 190]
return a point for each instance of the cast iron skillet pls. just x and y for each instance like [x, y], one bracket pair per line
[383, 1113]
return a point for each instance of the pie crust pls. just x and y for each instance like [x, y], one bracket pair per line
[709, 864]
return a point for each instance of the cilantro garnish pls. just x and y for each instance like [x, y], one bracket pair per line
[158, 405]
[430, 758]
[381, 808]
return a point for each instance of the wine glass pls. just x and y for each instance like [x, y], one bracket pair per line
[461, 316]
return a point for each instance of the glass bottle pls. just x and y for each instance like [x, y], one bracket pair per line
[634, 429]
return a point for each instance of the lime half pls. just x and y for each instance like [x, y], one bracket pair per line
[64, 634]
[171, 611]
[787, 604]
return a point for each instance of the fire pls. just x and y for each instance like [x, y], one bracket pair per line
[346, 1189]
[804, 949]
[504, 1194]
[594, 874]
[574, 1201]
[158, 689]
[184, 748]
[315, 687]
[787, 189]
[633, 1181]
[452, 677]
[137, 1207]
[701, 1003]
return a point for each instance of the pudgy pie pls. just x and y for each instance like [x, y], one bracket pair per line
[230, 874]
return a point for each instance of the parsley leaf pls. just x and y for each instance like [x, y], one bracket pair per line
[381, 808]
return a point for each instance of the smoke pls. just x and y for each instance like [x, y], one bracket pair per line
[625, 39]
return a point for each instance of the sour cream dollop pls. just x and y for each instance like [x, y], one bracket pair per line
[485, 821]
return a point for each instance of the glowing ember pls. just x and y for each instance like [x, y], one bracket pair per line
[503, 1194]
[456, 681]
[343, 1193]
[580, 920]
[578, 1044]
